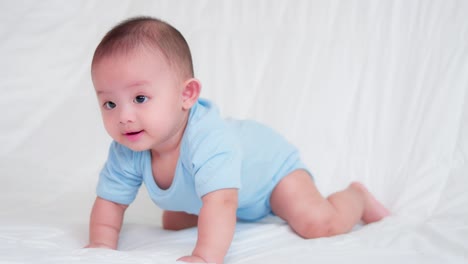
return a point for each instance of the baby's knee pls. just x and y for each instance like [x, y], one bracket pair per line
[178, 220]
[315, 226]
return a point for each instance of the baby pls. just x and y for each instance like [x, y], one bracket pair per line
[200, 169]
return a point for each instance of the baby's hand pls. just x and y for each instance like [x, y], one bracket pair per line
[192, 259]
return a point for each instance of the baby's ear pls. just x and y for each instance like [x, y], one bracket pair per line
[190, 93]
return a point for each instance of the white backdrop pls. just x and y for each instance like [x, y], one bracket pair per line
[374, 91]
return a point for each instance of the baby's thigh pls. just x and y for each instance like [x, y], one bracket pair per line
[294, 195]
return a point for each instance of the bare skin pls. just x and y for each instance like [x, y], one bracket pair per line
[297, 200]
[178, 220]
[106, 219]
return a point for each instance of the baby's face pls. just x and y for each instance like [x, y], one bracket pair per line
[140, 97]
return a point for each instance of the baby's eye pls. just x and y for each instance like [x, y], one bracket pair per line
[109, 105]
[140, 99]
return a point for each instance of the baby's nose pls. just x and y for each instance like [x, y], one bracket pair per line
[127, 115]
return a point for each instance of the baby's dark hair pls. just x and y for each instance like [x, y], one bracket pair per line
[151, 33]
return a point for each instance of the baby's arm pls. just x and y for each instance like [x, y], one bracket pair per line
[216, 225]
[105, 224]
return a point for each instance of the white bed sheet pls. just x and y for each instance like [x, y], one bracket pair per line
[374, 91]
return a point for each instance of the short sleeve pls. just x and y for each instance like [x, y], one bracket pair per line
[216, 161]
[119, 181]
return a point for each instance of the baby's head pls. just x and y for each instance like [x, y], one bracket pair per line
[143, 76]
[149, 33]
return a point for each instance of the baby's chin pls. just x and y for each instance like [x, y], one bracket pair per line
[137, 149]
[133, 146]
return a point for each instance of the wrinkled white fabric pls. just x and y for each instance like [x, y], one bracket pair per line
[374, 91]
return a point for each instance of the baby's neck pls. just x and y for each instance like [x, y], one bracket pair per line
[163, 167]
[166, 154]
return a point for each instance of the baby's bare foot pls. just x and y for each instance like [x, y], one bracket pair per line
[373, 209]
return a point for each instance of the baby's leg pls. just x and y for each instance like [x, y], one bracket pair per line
[297, 200]
[178, 220]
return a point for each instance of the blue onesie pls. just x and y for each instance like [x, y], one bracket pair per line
[214, 154]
